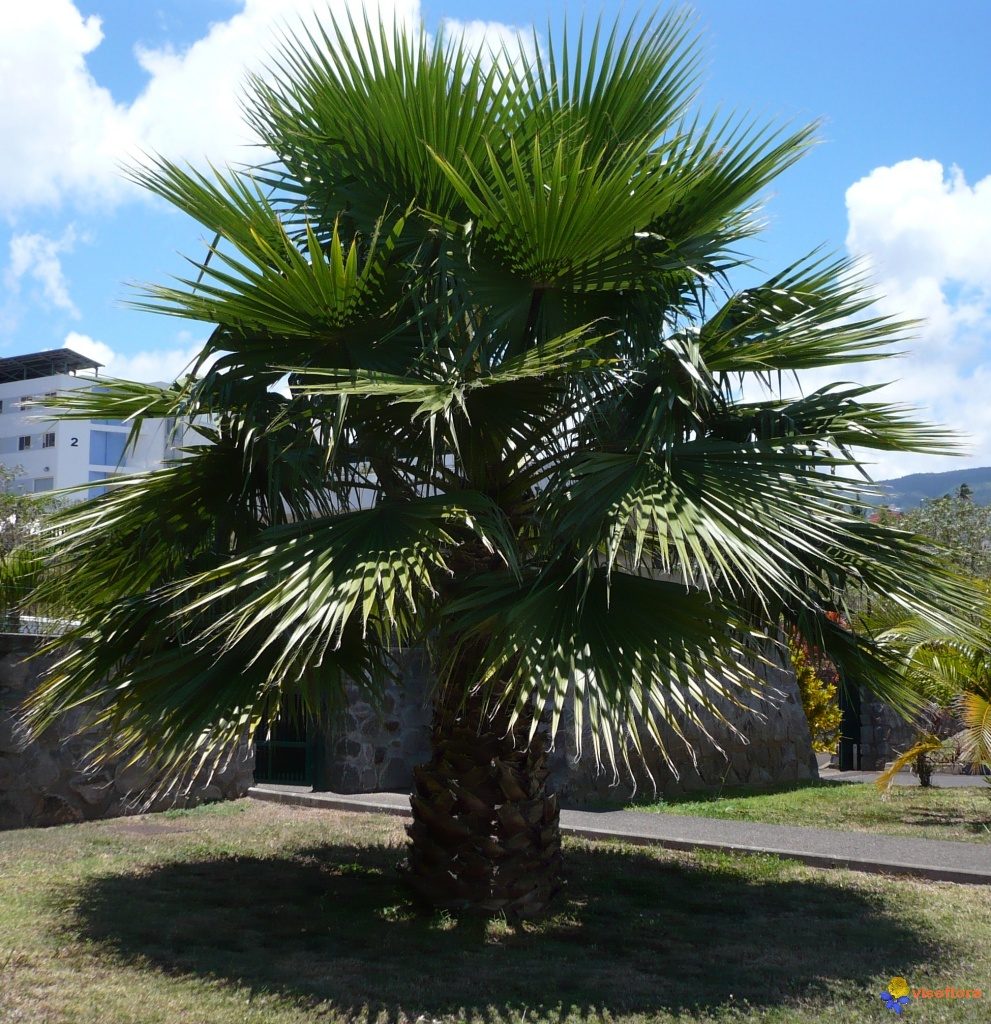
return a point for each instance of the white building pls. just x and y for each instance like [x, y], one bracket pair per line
[47, 454]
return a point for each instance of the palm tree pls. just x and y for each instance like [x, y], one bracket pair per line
[526, 423]
[952, 678]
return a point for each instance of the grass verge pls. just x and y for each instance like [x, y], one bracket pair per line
[960, 814]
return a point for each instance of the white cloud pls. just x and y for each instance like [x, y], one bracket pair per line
[923, 233]
[917, 221]
[60, 127]
[190, 107]
[493, 41]
[36, 257]
[65, 134]
[163, 365]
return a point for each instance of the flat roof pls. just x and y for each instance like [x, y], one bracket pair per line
[44, 364]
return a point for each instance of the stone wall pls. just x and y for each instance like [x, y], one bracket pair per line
[883, 733]
[771, 745]
[378, 752]
[372, 749]
[42, 782]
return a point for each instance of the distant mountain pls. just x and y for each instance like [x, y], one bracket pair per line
[908, 491]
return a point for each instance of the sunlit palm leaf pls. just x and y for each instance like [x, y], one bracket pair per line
[125, 400]
[926, 745]
[628, 652]
[808, 316]
[974, 709]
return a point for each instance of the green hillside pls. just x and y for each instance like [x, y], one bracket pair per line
[909, 491]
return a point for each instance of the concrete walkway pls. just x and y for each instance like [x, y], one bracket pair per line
[936, 859]
[941, 780]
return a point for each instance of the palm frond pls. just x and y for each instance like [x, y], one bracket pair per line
[926, 745]
[271, 283]
[807, 316]
[974, 708]
[629, 652]
[161, 695]
[302, 584]
[351, 110]
[126, 400]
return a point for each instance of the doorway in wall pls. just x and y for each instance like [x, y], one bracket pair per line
[284, 751]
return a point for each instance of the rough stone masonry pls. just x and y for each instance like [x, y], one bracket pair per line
[43, 783]
[372, 751]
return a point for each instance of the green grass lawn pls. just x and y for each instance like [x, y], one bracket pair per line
[960, 814]
[249, 912]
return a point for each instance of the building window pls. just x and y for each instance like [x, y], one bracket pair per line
[43, 483]
[24, 442]
[48, 441]
[26, 401]
[96, 492]
[106, 448]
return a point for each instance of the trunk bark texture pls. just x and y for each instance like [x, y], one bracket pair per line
[485, 836]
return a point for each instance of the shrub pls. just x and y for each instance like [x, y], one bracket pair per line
[820, 695]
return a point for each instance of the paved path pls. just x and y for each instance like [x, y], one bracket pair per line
[858, 851]
[941, 780]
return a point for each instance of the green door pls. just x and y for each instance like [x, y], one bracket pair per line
[284, 752]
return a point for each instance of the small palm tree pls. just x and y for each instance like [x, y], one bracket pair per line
[525, 423]
[953, 680]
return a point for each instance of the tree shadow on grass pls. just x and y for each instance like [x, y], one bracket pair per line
[943, 818]
[633, 933]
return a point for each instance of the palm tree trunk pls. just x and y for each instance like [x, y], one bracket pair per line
[485, 836]
[924, 769]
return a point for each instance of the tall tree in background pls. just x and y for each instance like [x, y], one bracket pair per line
[22, 519]
[512, 432]
[959, 524]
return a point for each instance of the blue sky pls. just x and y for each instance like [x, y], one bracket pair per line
[902, 177]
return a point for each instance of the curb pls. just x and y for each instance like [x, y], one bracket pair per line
[815, 860]
[329, 802]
